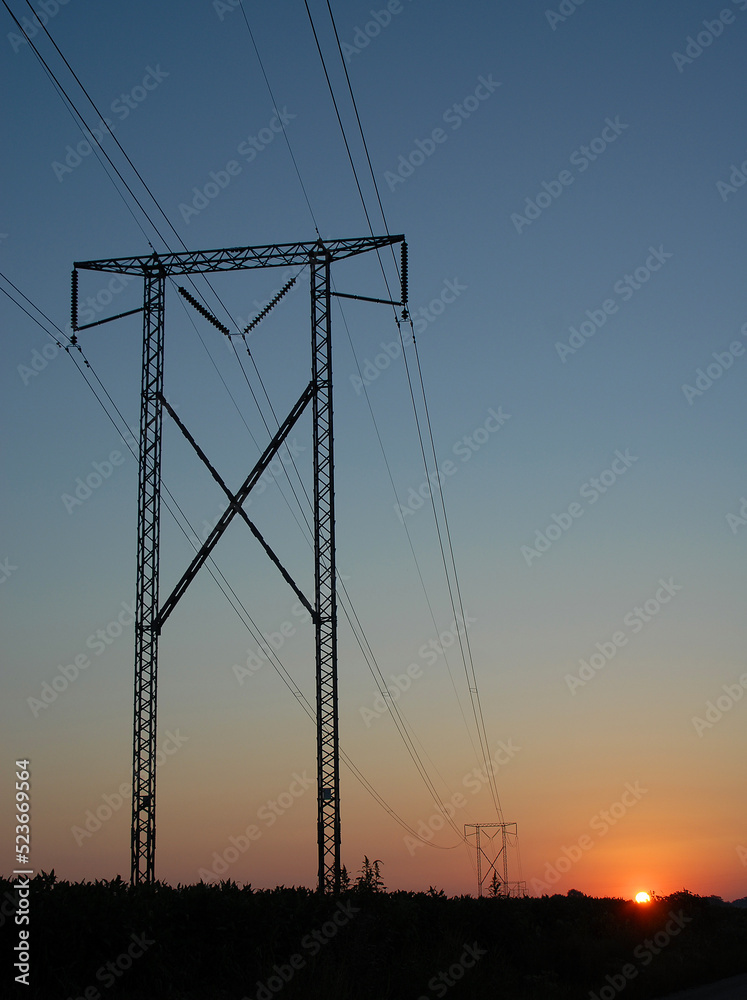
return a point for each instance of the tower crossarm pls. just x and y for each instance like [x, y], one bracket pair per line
[240, 258]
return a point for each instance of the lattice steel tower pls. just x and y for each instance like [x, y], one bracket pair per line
[150, 616]
[486, 849]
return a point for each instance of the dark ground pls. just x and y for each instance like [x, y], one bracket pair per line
[733, 988]
[108, 941]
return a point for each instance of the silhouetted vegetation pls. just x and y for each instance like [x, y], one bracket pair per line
[230, 942]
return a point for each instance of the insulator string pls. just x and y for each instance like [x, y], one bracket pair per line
[270, 305]
[201, 309]
[74, 301]
[403, 279]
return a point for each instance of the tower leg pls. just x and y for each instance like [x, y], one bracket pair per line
[328, 761]
[505, 859]
[479, 861]
[146, 605]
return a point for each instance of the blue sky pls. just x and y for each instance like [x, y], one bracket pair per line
[621, 131]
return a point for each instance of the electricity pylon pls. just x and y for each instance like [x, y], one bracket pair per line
[494, 856]
[150, 616]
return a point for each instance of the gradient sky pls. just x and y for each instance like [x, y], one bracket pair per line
[658, 195]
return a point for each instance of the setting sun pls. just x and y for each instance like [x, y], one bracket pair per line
[642, 897]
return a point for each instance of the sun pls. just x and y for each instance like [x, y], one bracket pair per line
[642, 897]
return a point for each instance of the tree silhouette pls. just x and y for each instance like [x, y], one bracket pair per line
[495, 885]
[369, 879]
[344, 879]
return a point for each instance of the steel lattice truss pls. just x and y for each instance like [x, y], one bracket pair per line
[239, 258]
[493, 855]
[146, 630]
[328, 761]
[150, 616]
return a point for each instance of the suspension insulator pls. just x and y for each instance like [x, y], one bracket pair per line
[270, 305]
[203, 311]
[74, 302]
[403, 277]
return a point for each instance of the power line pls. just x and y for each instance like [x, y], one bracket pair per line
[362, 134]
[96, 109]
[473, 687]
[58, 85]
[373, 666]
[213, 569]
[275, 104]
[339, 119]
[67, 100]
[469, 669]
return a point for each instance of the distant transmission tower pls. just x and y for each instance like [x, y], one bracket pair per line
[493, 849]
[150, 615]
